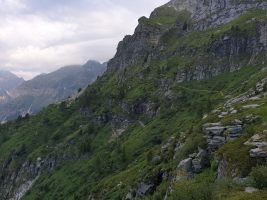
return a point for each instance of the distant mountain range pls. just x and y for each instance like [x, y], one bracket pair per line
[8, 82]
[18, 97]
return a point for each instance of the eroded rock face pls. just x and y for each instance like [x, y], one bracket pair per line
[136, 48]
[218, 135]
[200, 161]
[260, 142]
[254, 93]
[20, 184]
[193, 165]
[223, 50]
[186, 165]
[210, 13]
[145, 44]
[144, 189]
[222, 169]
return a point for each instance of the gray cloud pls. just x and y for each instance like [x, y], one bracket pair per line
[39, 36]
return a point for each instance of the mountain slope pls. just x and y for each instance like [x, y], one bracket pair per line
[33, 95]
[180, 114]
[8, 81]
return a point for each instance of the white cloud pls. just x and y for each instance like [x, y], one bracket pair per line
[40, 36]
[11, 6]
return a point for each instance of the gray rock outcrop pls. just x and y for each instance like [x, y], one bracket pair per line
[260, 142]
[218, 135]
[208, 14]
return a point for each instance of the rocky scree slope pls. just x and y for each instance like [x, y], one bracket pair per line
[31, 96]
[180, 114]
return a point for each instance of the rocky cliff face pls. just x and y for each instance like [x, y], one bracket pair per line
[211, 13]
[136, 49]
[225, 50]
[177, 18]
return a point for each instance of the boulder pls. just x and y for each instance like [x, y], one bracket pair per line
[201, 161]
[215, 142]
[251, 190]
[222, 168]
[156, 160]
[258, 141]
[233, 112]
[144, 189]
[251, 106]
[212, 124]
[234, 132]
[185, 165]
[214, 130]
[258, 153]
[237, 122]
[223, 114]
[235, 129]
[129, 196]
[251, 119]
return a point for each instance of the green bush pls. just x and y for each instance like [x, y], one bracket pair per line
[192, 191]
[259, 177]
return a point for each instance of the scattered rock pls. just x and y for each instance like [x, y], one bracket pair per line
[251, 106]
[215, 142]
[216, 111]
[193, 155]
[251, 119]
[156, 160]
[129, 196]
[205, 116]
[241, 181]
[258, 153]
[213, 128]
[170, 142]
[254, 98]
[185, 165]
[233, 112]
[201, 161]
[218, 135]
[234, 132]
[223, 114]
[260, 142]
[144, 189]
[251, 190]
[222, 168]
[237, 122]
[195, 164]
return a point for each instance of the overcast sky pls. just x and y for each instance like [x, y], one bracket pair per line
[39, 36]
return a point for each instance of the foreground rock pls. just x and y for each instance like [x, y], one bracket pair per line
[193, 165]
[218, 135]
[258, 141]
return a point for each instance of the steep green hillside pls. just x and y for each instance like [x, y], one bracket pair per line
[172, 124]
